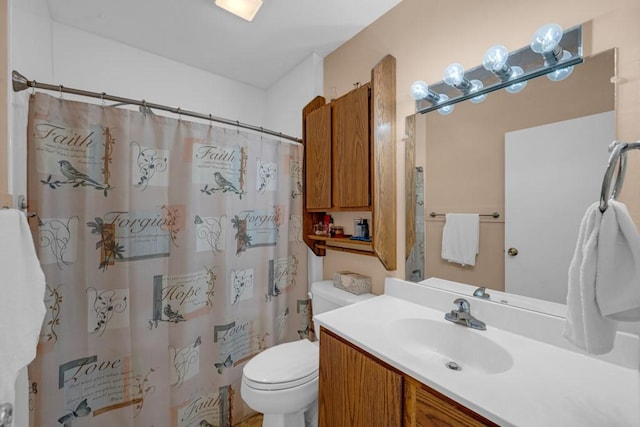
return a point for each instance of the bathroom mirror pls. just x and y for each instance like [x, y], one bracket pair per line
[553, 174]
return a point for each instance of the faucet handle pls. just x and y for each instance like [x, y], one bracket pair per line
[481, 292]
[463, 305]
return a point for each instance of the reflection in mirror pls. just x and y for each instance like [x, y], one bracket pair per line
[537, 158]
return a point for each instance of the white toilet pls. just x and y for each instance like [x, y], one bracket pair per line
[282, 381]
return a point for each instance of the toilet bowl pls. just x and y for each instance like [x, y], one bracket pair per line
[282, 384]
[282, 381]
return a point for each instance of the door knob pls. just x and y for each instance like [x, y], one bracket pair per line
[512, 251]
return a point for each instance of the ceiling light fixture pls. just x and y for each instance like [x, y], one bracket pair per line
[245, 9]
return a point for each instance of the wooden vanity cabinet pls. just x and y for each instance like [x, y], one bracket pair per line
[426, 407]
[356, 389]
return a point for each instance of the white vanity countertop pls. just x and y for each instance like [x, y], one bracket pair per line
[545, 386]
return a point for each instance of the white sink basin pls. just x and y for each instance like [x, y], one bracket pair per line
[446, 342]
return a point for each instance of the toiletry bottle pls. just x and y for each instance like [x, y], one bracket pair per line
[364, 229]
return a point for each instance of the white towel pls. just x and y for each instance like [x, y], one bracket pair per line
[604, 278]
[22, 304]
[618, 274]
[460, 238]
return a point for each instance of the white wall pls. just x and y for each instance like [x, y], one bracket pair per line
[287, 97]
[285, 100]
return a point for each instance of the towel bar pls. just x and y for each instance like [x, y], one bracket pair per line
[494, 215]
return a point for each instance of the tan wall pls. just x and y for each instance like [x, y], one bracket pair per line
[425, 37]
[4, 176]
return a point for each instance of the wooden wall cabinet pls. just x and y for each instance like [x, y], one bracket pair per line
[338, 154]
[349, 166]
[351, 156]
[318, 167]
[357, 389]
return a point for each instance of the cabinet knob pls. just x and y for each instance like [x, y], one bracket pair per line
[512, 251]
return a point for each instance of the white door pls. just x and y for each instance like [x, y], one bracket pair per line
[552, 174]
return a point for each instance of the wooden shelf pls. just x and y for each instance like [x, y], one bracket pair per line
[339, 239]
[335, 244]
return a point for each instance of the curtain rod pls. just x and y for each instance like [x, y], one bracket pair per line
[21, 83]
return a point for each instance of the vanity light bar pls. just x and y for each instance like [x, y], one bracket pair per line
[533, 64]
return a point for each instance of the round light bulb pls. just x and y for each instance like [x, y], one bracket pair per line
[476, 86]
[495, 58]
[444, 110]
[562, 73]
[517, 87]
[454, 74]
[546, 38]
[419, 90]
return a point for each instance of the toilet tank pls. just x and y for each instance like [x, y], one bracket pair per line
[326, 297]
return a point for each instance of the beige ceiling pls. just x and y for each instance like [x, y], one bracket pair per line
[197, 33]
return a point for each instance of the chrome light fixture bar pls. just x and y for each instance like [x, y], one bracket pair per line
[550, 53]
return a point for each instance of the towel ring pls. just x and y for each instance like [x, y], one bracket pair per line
[608, 193]
[618, 152]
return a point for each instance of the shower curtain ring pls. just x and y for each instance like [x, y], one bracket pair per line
[210, 120]
[60, 89]
[33, 87]
[102, 98]
[238, 125]
[179, 114]
[144, 108]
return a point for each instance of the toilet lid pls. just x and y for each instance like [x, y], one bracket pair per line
[283, 366]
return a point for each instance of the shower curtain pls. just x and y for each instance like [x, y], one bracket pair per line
[172, 253]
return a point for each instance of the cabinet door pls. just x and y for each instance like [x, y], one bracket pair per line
[354, 389]
[318, 158]
[427, 408]
[351, 150]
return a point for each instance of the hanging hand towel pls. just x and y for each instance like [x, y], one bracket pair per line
[604, 279]
[585, 326]
[618, 268]
[460, 238]
[22, 304]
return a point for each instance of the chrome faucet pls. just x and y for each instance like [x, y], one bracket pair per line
[481, 293]
[463, 315]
